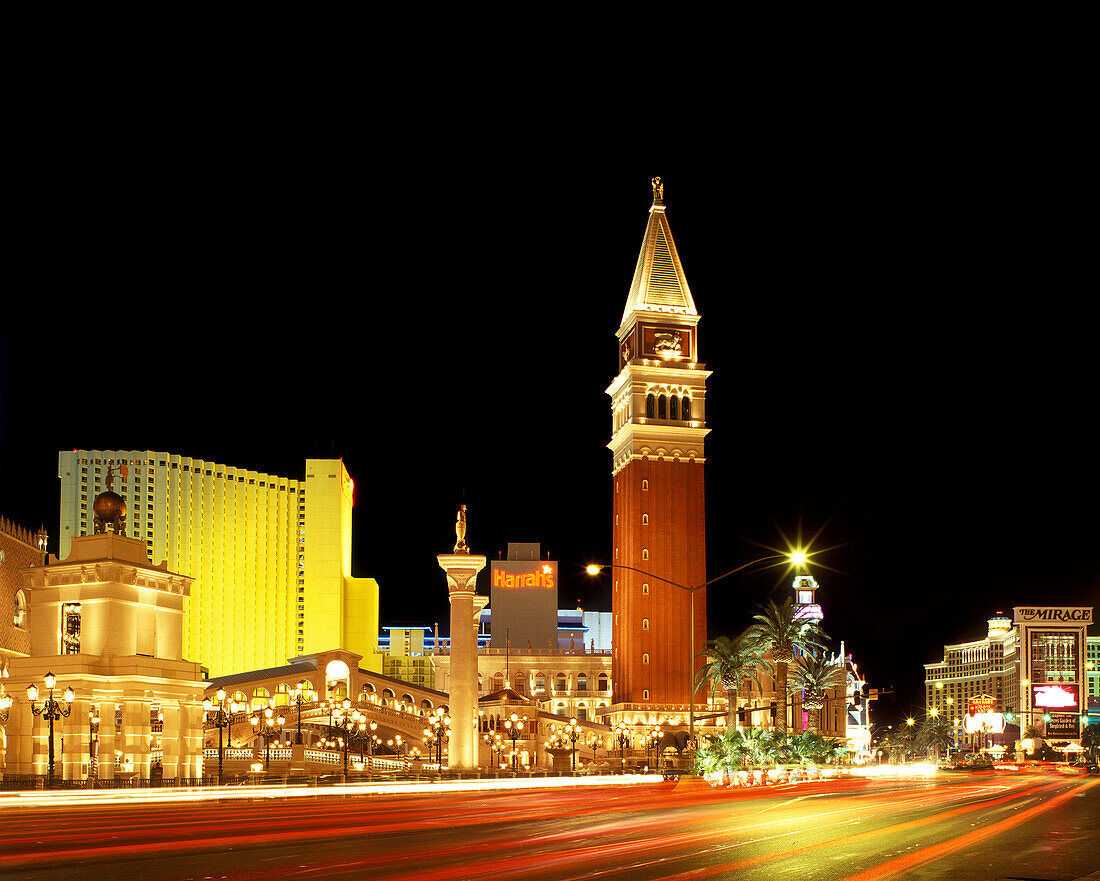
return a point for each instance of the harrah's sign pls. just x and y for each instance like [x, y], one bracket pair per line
[540, 575]
[1053, 614]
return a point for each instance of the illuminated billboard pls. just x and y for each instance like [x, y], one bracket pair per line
[1060, 697]
[523, 600]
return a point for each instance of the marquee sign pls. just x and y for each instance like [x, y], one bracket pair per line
[1053, 615]
[1056, 697]
[512, 575]
[991, 723]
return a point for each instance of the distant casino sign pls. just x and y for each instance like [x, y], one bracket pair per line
[1053, 614]
[534, 575]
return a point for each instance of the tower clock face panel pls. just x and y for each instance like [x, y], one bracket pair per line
[669, 342]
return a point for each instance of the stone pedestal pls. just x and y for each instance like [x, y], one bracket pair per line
[466, 606]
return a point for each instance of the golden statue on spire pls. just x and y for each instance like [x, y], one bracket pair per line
[658, 190]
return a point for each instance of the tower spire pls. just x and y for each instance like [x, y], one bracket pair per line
[659, 284]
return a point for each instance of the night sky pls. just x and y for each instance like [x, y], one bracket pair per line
[904, 365]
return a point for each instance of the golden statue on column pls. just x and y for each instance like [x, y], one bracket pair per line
[460, 532]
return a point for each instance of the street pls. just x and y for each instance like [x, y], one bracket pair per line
[974, 826]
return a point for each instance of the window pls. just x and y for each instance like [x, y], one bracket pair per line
[645, 587]
[645, 658]
[645, 486]
[645, 553]
[582, 682]
[559, 682]
[20, 609]
[662, 407]
[70, 635]
[601, 682]
[645, 520]
[649, 401]
[645, 624]
[674, 407]
[685, 408]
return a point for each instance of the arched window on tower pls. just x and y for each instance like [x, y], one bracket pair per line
[662, 407]
[649, 403]
[674, 408]
[685, 408]
[645, 624]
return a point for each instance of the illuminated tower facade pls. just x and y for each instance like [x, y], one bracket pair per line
[658, 428]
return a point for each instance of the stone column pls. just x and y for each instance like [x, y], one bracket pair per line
[462, 568]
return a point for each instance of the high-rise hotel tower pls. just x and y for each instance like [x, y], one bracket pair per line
[270, 555]
[658, 427]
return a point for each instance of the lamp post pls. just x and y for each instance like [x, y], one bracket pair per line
[267, 726]
[496, 745]
[352, 723]
[622, 734]
[439, 726]
[796, 558]
[298, 704]
[592, 742]
[222, 717]
[51, 710]
[652, 740]
[512, 728]
[573, 734]
[93, 744]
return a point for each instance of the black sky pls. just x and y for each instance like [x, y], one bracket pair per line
[903, 352]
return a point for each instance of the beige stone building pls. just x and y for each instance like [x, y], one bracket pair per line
[108, 625]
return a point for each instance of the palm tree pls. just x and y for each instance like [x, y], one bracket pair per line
[729, 663]
[815, 675]
[935, 732]
[781, 630]
[1090, 740]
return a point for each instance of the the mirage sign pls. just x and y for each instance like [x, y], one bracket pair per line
[1053, 615]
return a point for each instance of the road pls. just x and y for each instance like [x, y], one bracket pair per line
[992, 826]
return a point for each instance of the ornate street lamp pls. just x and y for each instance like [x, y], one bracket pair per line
[352, 723]
[573, 734]
[653, 740]
[267, 726]
[439, 727]
[93, 744]
[298, 704]
[5, 706]
[496, 745]
[221, 715]
[51, 710]
[622, 734]
[592, 742]
[512, 727]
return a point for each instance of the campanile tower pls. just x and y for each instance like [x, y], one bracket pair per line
[658, 427]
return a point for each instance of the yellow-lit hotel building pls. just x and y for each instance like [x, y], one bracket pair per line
[270, 555]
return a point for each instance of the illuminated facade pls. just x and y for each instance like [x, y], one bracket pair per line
[110, 626]
[270, 556]
[658, 427]
[970, 670]
[1052, 644]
